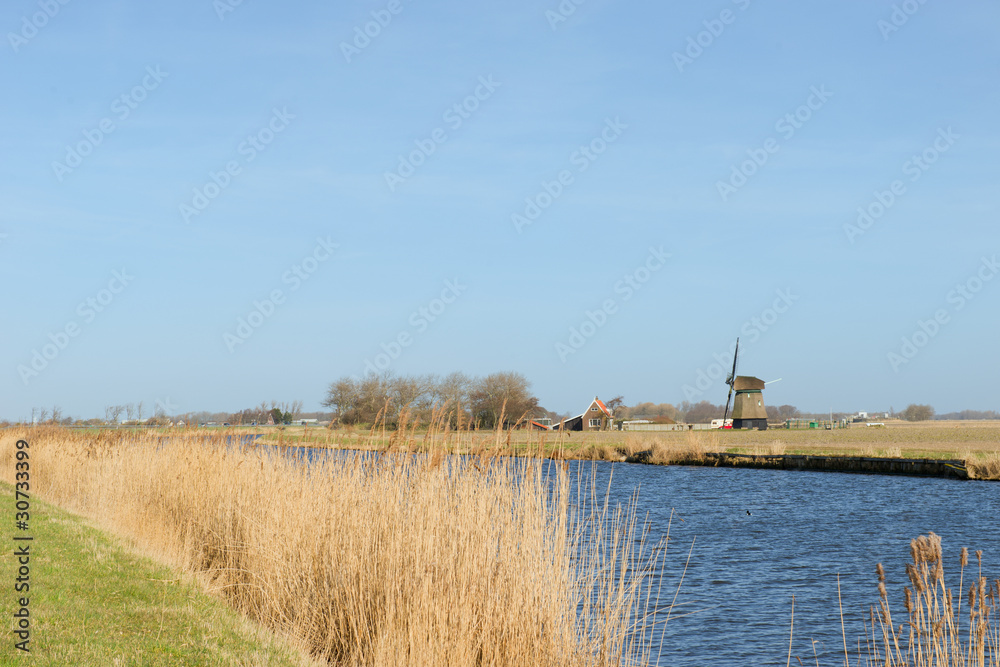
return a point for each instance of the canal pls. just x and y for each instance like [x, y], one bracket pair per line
[759, 537]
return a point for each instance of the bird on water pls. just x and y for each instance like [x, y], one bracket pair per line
[748, 513]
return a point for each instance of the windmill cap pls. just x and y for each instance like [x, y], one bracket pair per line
[747, 382]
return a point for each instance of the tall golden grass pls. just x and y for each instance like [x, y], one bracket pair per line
[936, 633]
[371, 559]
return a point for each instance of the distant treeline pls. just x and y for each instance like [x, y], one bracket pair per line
[970, 414]
[704, 411]
[465, 401]
[692, 413]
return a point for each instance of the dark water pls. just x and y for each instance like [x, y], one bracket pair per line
[804, 529]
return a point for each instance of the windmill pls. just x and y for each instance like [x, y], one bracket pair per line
[748, 408]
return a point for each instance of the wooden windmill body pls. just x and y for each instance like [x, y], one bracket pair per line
[748, 408]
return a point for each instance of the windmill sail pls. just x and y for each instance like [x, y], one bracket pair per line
[731, 381]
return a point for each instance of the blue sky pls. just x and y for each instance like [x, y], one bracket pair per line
[600, 196]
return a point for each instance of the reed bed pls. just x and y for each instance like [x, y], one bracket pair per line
[368, 559]
[936, 631]
[984, 466]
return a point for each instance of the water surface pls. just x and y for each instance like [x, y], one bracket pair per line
[803, 529]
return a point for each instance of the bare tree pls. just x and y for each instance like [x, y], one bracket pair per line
[113, 413]
[375, 399]
[344, 398]
[57, 415]
[138, 411]
[917, 413]
[453, 393]
[43, 415]
[782, 412]
[615, 403]
[703, 412]
[411, 393]
[501, 397]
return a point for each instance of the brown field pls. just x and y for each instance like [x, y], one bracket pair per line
[977, 443]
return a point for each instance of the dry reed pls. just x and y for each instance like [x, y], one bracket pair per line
[936, 634]
[984, 466]
[376, 559]
[775, 447]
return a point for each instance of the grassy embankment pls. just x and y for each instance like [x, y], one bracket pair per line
[977, 443]
[92, 601]
[366, 560]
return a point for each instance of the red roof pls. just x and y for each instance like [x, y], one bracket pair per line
[601, 405]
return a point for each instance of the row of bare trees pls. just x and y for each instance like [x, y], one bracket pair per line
[462, 400]
[44, 416]
[133, 412]
[278, 412]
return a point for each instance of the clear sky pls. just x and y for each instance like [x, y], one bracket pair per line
[213, 204]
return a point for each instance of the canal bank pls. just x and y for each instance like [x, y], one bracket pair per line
[946, 468]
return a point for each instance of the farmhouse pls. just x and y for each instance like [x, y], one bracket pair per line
[597, 417]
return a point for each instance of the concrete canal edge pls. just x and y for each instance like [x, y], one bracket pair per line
[955, 469]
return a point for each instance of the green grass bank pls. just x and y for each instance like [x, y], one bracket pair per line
[94, 602]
